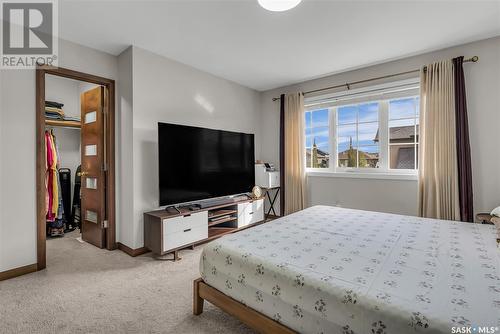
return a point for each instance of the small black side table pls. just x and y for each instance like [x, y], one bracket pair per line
[267, 193]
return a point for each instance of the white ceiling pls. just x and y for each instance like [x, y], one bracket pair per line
[240, 41]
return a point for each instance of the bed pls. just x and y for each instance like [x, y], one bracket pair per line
[334, 270]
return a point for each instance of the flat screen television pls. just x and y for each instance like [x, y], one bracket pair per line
[199, 163]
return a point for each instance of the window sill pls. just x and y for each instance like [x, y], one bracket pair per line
[357, 175]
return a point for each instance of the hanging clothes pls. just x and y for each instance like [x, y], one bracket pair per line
[53, 194]
[53, 170]
[49, 176]
[60, 208]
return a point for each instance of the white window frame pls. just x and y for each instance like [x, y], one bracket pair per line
[334, 101]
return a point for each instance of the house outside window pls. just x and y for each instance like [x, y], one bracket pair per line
[356, 128]
[317, 138]
[373, 130]
[403, 133]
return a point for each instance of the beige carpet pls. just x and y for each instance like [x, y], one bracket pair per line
[88, 290]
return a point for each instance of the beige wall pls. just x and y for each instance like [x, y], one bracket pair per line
[395, 196]
[483, 87]
[125, 199]
[171, 92]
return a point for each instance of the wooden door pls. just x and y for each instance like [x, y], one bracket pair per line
[93, 174]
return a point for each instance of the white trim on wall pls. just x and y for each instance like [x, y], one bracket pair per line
[359, 175]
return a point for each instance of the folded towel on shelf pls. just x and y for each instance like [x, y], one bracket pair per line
[58, 117]
[53, 104]
[53, 116]
[54, 110]
[70, 118]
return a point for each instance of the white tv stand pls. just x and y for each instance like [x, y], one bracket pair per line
[168, 232]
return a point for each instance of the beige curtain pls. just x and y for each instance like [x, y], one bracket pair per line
[294, 153]
[438, 169]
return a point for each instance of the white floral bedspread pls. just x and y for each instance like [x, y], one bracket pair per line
[333, 270]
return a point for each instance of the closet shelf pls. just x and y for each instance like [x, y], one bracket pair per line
[69, 124]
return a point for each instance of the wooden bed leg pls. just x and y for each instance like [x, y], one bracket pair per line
[197, 301]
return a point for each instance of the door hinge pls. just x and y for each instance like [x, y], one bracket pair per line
[104, 224]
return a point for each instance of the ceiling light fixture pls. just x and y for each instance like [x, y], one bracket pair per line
[279, 5]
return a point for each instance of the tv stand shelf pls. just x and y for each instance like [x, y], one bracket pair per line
[170, 231]
[219, 232]
[220, 221]
[218, 213]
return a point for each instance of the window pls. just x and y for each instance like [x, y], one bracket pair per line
[357, 129]
[317, 139]
[365, 133]
[403, 133]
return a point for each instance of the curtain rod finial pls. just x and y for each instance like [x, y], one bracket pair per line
[475, 59]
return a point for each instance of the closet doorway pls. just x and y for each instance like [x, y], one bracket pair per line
[92, 123]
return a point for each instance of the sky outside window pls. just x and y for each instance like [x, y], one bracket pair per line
[317, 129]
[357, 128]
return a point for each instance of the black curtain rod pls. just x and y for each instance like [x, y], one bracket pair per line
[349, 84]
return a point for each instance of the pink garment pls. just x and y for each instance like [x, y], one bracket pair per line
[49, 176]
[46, 174]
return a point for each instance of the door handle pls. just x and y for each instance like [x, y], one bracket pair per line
[187, 230]
[83, 174]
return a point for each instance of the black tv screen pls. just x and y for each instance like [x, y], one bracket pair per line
[198, 163]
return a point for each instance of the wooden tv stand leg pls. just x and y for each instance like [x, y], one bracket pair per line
[167, 256]
[197, 300]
